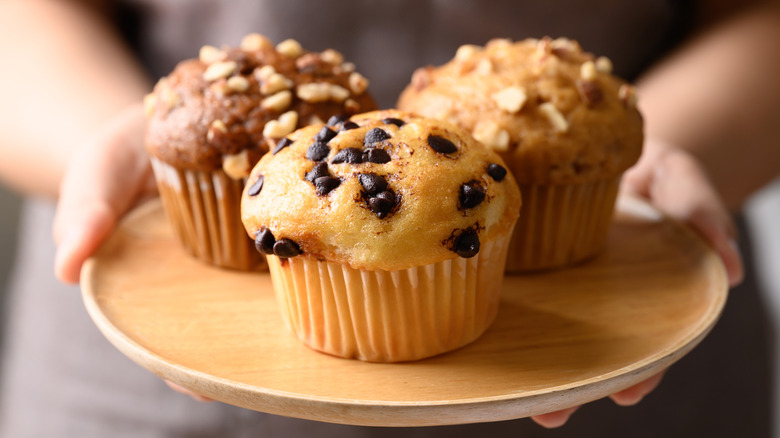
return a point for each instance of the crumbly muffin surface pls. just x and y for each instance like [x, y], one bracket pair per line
[220, 109]
[383, 190]
[554, 112]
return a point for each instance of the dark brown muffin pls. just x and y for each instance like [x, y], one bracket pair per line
[212, 118]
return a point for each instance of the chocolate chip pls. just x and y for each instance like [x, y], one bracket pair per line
[375, 136]
[349, 125]
[382, 203]
[255, 188]
[325, 184]
[471, 195]
[286, 248]
[264, 241]
[467, 244]
[336, 119]
[378, 156]
[393, 121]
[325, 135]
[496, 171]
[318, 151]
[441, 144]
[281, 144]
[319, 170]
[348, 155]
[372, 183]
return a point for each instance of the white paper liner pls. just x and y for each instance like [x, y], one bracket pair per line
[560, 225]
[390, 316]
[204, 209]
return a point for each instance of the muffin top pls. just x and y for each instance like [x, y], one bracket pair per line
[555, 113]
[382, 190]
[221, 109]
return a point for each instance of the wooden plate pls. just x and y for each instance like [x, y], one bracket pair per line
[561, 338]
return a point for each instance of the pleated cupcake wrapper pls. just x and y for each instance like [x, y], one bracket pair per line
[204, 209]
[560, 225]
[390, 316]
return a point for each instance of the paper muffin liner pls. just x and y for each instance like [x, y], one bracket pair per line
[561, 225]
[390, 316]
[204, 209]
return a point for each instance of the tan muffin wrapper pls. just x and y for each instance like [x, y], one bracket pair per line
[390, 316]
[561, 225]
[204, 210]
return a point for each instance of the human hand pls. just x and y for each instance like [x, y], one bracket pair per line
[106, 177]
[675, 183]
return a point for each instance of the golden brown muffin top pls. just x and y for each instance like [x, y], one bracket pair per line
[555, 113]
[221, 109]
[383, 190]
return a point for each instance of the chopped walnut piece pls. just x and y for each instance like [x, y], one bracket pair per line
[348, 67]
[282, 126]
[254, 42]
[290, 48]
[588, 71]
[603, 64]
[275, 83]
[466, 52]
[351, 106]
[264, 72]
[219, 70]
[421, 78]
[555, 117]
[236, 166]
[170, 98]
[278, 102]
[484, 67]
[627, 95]
[315, 120]
[321, 91]
[357, 83]
[210, 54]
[150, 101]
[332, 57]
[238, 84]
[216, 129]
[589, 91]
[490, 134]
[510, 99]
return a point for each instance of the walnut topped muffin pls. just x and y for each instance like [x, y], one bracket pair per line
[566, 127]
[385, 234]
[213, 117]
[384, 190]
[235, 99]
[552, 110]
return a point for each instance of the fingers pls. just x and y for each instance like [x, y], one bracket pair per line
[103, 180]
[635, 394]
[185, 391]
[677, 184]
[554, 419]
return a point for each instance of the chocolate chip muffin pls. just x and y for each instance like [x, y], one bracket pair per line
[386, 234]
[212, 118]
[566, 127]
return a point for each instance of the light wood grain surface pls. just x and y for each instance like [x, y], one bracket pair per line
[561, 338]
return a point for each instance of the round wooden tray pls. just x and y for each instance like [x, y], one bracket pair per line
[561, 338]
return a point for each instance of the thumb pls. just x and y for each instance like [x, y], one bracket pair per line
[676, 184]
[102, 181]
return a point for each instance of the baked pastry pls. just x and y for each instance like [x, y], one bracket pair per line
[212, 118]
[386, 234]
[566, 127]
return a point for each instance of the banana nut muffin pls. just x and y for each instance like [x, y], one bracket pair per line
[386, 234]
[212, 118]
[566, 127]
